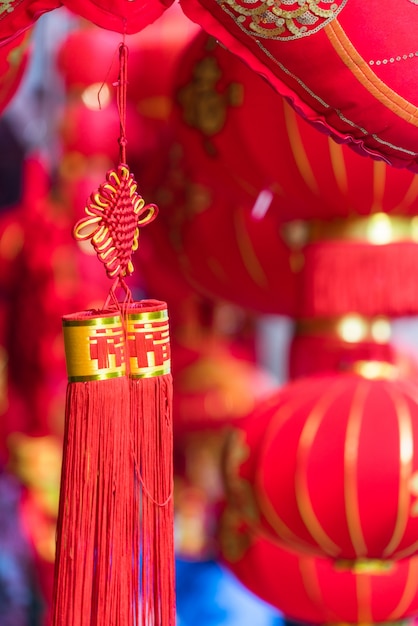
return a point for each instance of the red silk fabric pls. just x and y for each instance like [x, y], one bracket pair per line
[18, 15]
[352, 75]
[123, 16]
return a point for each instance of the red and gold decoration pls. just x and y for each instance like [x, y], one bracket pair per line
[317, 590]
[298, 236]
[347, 66]
[115, 553]
[364, 429]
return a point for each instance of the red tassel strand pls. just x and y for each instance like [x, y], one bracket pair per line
[151, 413]
[115, 554]
[94, 559]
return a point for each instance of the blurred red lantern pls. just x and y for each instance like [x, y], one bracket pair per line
[316, 590]
[348, 67]
[226, 252]
[326, 248]
[329, 465]
[214, 388]
[14, 58]
[236, 131]
[351, 342]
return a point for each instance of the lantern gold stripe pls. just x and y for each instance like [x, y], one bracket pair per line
[410, 196]
[379, 180]
[263, 502]
[364, 599]
[338, 165]
[370, 81]
[405, 458]
[298, 149]
[351, 447]
[409, 592]
[248, 255]
[312, 586]
[303, 498]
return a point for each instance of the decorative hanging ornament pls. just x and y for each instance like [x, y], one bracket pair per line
[347, 66]
[364, 429]
[115, 554]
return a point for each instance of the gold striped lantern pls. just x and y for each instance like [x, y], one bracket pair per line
[303, 226]
[316, 590]
[329, 466]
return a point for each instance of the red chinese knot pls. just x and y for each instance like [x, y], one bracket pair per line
[114, 214]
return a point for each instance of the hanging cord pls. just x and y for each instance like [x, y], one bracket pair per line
[122, 86]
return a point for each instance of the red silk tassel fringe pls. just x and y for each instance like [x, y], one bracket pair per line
[115, 552]
[340, 277]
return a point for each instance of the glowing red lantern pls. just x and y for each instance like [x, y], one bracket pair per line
[333, 467]
[316, 590]
[348, 67]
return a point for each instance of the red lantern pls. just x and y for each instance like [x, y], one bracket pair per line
[237, 132]
[272, 261]
[214, 388]
[316, 590]
[227, 252]
[348, 67]
[330, 466]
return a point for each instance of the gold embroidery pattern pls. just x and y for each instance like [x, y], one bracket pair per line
[204, 107]
[6, 6]
[282, 19]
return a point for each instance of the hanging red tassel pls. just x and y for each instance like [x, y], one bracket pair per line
[93, 557]
[115, 555]
[151, 396]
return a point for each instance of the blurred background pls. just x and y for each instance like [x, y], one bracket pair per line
[288, 263]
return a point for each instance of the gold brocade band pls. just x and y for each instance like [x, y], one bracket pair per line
[148, 340]
[375, 229]
[94, 346]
